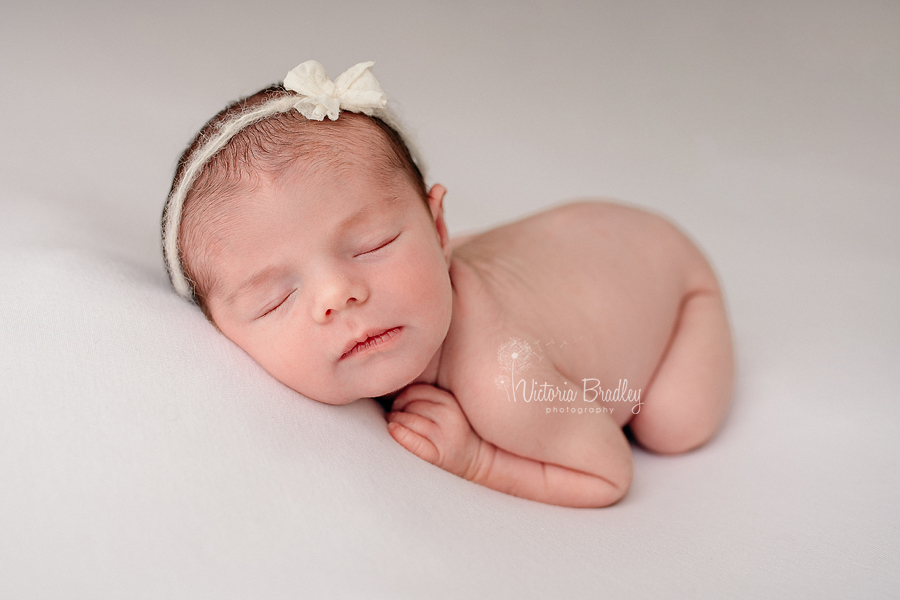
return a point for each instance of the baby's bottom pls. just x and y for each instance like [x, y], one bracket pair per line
[688, 397]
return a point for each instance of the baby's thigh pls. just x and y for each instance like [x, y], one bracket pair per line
[689, 396]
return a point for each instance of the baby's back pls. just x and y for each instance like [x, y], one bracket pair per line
[591, 291]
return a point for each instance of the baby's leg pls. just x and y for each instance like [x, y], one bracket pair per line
[689, 395]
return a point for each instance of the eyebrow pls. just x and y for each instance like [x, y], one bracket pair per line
[254, 280]
[391, 200]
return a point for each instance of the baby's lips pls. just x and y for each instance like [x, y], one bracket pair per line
[364, 337]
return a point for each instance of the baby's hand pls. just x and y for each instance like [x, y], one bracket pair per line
[429, 422]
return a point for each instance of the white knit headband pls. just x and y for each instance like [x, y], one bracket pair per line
[315, 97]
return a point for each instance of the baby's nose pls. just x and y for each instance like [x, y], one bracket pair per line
[338, 292]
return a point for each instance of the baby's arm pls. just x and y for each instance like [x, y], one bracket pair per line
[429, 422]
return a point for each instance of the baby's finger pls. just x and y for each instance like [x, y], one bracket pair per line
[412, 441]
[419, 424]
[426, 408]
[419, 392]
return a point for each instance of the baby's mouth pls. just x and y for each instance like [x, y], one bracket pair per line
[371, 342]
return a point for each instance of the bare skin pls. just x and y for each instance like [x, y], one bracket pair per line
[639, 303]
[347, 287]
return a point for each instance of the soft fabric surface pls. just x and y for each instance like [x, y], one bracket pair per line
[144, 455]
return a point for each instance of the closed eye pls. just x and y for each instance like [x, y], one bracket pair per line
[271, 309]
[380, 246]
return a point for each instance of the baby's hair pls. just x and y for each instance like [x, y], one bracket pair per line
[262, 135]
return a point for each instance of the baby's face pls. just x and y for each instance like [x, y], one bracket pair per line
[337, 284]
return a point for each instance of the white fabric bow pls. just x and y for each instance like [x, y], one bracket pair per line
[356, 90]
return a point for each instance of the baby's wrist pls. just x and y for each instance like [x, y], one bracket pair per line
[480, 468]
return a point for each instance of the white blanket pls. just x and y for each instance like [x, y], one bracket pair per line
[144, 455]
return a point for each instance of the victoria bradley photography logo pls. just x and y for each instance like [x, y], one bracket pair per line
[516, 357]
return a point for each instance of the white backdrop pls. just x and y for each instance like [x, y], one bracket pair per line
[143, 455]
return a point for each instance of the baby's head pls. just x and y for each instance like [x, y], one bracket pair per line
[313, 244]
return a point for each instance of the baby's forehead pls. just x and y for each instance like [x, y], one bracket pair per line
[337, 195]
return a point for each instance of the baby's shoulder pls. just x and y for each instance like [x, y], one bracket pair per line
[572, 221]
[583, 230]
[595, 221]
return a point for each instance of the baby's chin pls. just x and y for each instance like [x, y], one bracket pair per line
[388, 381]
[346, 397]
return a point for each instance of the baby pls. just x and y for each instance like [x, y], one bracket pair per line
[514, 357]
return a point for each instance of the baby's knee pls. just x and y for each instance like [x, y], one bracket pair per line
[673, 437]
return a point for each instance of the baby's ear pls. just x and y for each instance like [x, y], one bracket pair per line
[436, 205]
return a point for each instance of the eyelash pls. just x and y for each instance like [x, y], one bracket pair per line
[380, 246]
[276, 307]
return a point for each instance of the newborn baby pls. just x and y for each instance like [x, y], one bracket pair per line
[514, 357]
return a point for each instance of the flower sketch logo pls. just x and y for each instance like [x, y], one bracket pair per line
[514, 356]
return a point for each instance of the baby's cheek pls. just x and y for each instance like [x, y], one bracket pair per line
[283, 358]
[433, 300]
